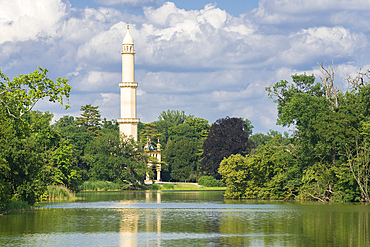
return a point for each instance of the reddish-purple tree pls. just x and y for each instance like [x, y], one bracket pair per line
[227, 136]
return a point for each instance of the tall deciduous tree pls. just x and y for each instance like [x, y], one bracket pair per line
[166, 120]
[226, 136]
[181, 153]
[22, 158]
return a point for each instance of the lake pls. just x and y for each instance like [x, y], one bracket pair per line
[185, 218]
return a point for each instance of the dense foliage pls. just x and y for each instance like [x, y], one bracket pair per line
[327, 157]
[181, 138]
[35, 154]
[32, 154]
[115, 159]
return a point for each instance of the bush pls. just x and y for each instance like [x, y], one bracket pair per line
[168, 186]
[154, 187]
[209, 181]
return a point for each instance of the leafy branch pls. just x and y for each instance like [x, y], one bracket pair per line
[21, 94]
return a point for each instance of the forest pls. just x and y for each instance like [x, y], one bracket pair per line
[325, 158]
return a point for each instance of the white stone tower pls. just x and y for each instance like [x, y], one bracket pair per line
[128, 121]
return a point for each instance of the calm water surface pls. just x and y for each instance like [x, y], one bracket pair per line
[185, 218]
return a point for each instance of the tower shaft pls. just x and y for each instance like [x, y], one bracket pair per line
[128, 121]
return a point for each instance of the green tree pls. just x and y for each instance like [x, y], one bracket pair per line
[116, 159]
[148, 130]
[249, 126]
[262, 175]
[110, 124]
[260, 139]
[79, 137]
[21, 157]
[181, 153]
[328, 126]
[166, 120]
[300, 104]
[209, 181]
[236, 174]
[8, 134]
[200, 125]
[90, 119]
[58, 155]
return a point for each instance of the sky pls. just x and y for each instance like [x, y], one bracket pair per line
[211, 59]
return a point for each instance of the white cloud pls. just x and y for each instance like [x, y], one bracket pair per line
[86, 23]
[27, 20]
[262, 117]
[360, 21]
[322, 41]
[104, 47]
[108, 105]
[134, 3]
[207, 62]
[188, 82]
[254, 90]
[96, 81]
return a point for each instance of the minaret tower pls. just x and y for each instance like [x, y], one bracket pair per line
[128, 121]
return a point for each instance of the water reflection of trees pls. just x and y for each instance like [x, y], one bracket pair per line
[235, 223]
[315, 226]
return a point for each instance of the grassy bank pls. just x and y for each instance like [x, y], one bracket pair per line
[182, 186]
[102, 186]
[109, 186]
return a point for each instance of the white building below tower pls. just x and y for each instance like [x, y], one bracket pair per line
[128, 121]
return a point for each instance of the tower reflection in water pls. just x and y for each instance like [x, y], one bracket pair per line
[133, 220]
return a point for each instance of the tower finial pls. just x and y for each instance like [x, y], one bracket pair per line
[127, 40]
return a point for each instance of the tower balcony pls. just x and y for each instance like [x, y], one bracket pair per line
[128, 49]
[128, 120]
[128, 84]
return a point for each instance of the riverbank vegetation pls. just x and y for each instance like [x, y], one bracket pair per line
[102, 186]
[325, 158]
[58, 192]
[184, 186]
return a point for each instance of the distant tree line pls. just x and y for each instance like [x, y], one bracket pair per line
[326, 158]
[36, 153]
